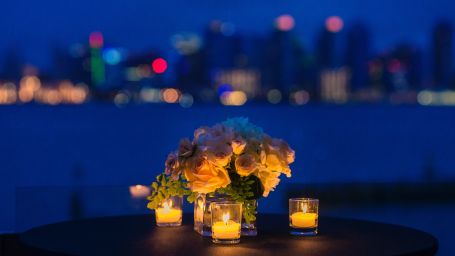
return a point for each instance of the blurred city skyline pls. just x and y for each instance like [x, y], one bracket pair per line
[224, 56]
[141, 25]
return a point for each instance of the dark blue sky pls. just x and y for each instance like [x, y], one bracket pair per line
[35, 26]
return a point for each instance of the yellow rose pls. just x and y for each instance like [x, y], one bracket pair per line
[278, 155]
[245, 164]
[205, 177]
[269, 180]
[218, 152]
[238, 145]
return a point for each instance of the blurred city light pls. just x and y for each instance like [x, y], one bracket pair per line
[170, 95]
[151, 95]
[159, 65]
[300, 97]
[245, 80]
[234, 98]
[234, 69]
[284, 22]
[274, 96]
[96, 39]
[186, 43]
[442, 98]
[394, 66]
[186, 100]
[8, 94]
[27, 88]
[112, 56]
[79, 94]
[334, 85]
[121, 99]
[334, 24]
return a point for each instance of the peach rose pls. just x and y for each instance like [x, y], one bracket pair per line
[205, 177]
[216, 133]
[283, 148]
[218, 152]
[245, 164]
[238, 145]
[186, 148]
[269, 180]
[278, 155]
[171, 166]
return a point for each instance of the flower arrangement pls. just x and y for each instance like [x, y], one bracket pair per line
[234, 158]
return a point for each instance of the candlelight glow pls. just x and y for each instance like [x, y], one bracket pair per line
[139, 191]
[226, 218]
[167, 206]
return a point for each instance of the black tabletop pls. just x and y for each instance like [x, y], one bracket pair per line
[138, 235]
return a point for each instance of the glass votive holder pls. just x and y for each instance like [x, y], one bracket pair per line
[169, 212]
[226, 222]
[303, 216]
[203, 213]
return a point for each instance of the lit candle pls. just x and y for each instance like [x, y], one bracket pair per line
[139, 191]
[168, 214]
[226, 229]
[304, 219]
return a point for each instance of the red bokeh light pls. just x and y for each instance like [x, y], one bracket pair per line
[96, 40]
[394, 66]
[159, 65]
[285, 22]
[334, 24]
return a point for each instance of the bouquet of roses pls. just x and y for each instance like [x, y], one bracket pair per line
[234, 158]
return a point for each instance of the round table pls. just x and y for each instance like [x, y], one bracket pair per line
[138, 235]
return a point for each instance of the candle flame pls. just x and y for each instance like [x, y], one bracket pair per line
[305, 208]
[226, 218]
[167, 206]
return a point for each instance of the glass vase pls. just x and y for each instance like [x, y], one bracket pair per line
[203, 213]
[249, 229]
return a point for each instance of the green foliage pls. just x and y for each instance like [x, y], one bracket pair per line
[243, 190]
[165, 187]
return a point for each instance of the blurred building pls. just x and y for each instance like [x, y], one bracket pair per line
[12, 65]
[357, 54]
[334, 85]
[405, 68]
[72, 64]
[442, 54]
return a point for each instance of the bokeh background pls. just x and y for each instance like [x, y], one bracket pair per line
[94, 94]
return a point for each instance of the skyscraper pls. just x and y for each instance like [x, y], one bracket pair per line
[357, 51]
[325, 52]
[442, 54]
[284, 61]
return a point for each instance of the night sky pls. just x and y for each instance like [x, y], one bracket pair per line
[34, 27]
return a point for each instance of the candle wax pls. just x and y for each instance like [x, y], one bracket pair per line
[168, 215]
[228, 230]
[304, 220]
